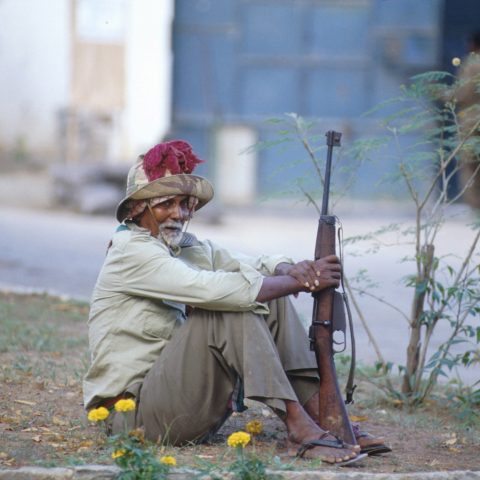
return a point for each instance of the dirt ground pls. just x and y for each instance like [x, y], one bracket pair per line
[43, 355]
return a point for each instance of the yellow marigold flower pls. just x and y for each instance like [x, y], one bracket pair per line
[168, 460]
[125, 405]
[138, 434]
[97, 414]
[238, 439]
[118, 453]
[255, 427]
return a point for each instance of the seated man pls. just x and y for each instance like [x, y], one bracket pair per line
[184, 326]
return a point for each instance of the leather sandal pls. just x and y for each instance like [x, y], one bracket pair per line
[323, 442]
[371, 445]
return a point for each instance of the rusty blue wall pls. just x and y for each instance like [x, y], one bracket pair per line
[244, 61]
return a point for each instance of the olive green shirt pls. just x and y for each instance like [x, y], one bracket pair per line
[140, 298]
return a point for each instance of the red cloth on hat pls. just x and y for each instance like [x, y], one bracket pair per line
[175, 156]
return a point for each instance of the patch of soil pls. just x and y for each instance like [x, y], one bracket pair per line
[43, 355]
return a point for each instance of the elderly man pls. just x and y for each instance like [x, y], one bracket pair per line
[189, 329]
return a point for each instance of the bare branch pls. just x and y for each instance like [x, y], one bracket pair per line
[381, 300]
[364, 322]
[309, 150]
[310, 199]
[467, 185]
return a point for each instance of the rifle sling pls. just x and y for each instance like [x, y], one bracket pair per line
[350, 386]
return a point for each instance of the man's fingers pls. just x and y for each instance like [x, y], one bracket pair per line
[319, 274]
[329, 269]
[331, 259]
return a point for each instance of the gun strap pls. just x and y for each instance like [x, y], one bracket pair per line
[350, 386]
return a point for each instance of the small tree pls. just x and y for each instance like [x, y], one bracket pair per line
[426, 164]
[441, 292]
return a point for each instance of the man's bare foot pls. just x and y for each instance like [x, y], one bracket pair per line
[368, 443]
[310, 441]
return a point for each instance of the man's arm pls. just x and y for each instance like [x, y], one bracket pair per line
[305, 276]
[229, 260]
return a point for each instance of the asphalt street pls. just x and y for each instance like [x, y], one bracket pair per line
[61, 253]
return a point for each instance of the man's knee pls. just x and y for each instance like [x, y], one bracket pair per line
[229, 321]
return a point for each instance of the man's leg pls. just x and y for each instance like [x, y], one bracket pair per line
[184, 396]
[293, 346]
[301, 366]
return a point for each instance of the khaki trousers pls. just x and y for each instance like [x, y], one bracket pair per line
[185, 395]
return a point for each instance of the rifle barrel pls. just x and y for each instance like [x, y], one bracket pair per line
[333, 140]
[333, 415]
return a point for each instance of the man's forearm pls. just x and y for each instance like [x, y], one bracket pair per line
[283, 268]
[304, 276]
[277, 286]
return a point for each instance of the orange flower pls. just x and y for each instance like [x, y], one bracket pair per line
[238, 439]
[125, 405]
[255, 427]
[98, 414]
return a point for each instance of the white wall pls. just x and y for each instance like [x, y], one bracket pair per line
[149, 66]
[236, 170]
[35, 68]
[34, 71]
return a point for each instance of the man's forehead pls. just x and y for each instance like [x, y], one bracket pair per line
[159, 200]
[173, 197]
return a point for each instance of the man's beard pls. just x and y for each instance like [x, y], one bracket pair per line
[170, 232]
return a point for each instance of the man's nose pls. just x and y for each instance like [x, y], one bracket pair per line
[178, 213]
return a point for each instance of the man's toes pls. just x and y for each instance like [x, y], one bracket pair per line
[344, 458]
[349, 456]
[339, 457]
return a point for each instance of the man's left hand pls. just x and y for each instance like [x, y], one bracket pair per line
[315, 275]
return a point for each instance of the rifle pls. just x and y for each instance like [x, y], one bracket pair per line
[328, 317]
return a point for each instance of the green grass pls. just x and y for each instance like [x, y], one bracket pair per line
[44, 355]
[42, 326]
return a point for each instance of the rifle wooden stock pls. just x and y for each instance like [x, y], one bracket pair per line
[333, 415]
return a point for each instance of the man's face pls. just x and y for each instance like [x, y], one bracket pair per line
[171, 215]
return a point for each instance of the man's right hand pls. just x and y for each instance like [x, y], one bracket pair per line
[304, 276]
[315, 275]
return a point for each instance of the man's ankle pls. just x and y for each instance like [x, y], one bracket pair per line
[312, 407]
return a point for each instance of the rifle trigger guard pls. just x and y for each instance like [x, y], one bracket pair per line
[311, 331]
[322, 322]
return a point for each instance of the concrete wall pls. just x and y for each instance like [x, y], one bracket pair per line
[37, 60]
[149, 64]
[34, 72]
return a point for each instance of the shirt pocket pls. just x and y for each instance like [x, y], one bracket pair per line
[161, 323]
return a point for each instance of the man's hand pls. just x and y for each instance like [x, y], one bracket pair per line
[314, 275]
[305, 276]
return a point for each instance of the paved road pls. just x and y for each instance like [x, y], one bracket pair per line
[62, 253]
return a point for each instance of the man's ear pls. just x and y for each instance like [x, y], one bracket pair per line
[147, 220]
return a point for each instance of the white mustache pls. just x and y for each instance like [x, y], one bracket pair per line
[176, 225]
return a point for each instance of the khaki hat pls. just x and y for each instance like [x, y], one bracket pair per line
[165, 170]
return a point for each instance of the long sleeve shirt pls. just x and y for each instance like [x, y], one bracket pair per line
[141, 296]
